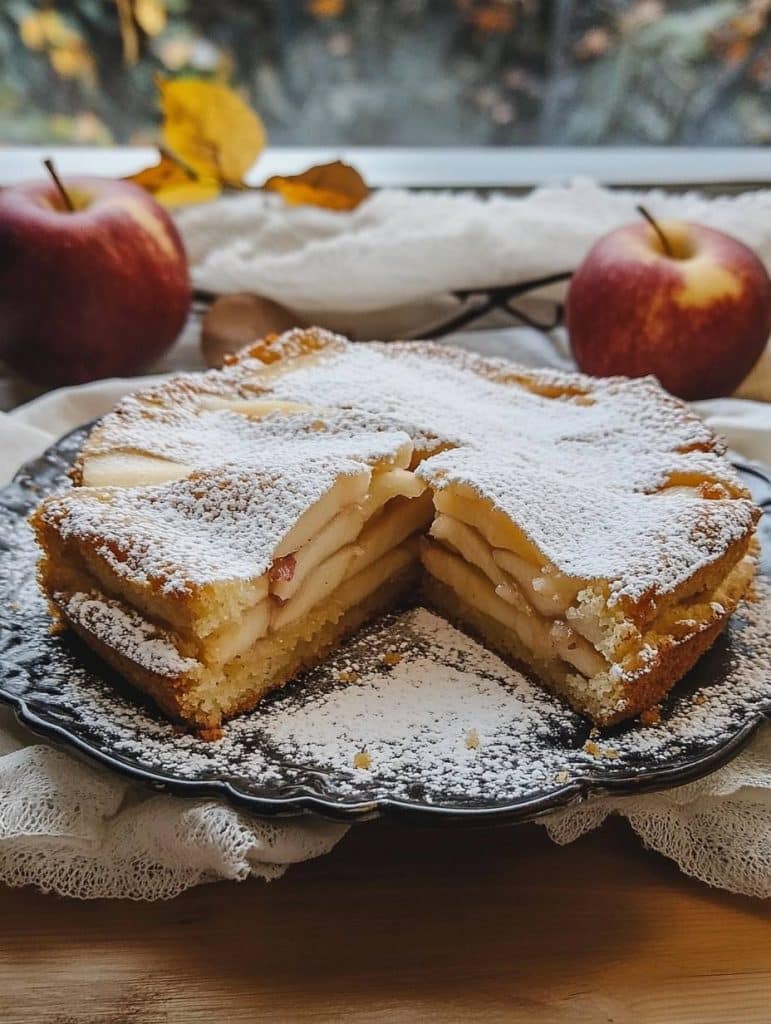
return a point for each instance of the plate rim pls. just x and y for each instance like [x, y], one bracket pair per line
[517, 811]
[289, 805]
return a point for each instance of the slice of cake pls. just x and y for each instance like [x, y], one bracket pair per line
[610, 605]
[227, 529]
[211, 589]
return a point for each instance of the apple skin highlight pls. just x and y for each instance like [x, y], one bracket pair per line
[697, 319]
[101, 291]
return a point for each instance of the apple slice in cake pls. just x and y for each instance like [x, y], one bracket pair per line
[609, 604]
[213, 587]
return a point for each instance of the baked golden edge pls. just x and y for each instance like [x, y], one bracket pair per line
[176, 695]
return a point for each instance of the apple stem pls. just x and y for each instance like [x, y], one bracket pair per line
[657, 228]
[49, 166]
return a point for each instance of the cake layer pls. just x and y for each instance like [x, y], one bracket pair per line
[536, 591]
[608, 699]
[203, 695]
[196, 550]
[608, 690]
[639, 550]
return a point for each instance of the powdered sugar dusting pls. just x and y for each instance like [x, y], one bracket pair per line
[223, 525]
[248, 484]
[578, 464]
[212, 439]
[670, 539]
[420, 688]
[116, 626]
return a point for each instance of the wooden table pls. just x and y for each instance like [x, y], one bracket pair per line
[402, 924]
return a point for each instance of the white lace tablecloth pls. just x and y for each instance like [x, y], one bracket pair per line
[78, 830]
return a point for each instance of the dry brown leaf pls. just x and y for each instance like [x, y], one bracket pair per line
[233, 321]
[336, 186]
[173, 185]
[210, 128]
[493, 17]
[326, 8]
[736, 51]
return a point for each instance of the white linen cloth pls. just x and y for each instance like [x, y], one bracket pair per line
[386, 267]
[79, 830]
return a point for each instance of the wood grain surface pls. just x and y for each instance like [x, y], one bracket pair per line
[402, 924]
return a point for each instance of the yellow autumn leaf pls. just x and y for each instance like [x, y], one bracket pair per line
[326, 8]
[166, 172]
[73, 61]
[32, 29]
[335, 186]
[184, 193]
[41, 29]
[210, 128]
[173, 185]
[151, 16]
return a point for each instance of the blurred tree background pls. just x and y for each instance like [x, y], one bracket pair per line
[397, 72]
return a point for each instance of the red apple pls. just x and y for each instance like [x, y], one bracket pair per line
[678, 300]
[97, 291]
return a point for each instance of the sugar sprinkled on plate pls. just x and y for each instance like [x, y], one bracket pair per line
[410, 713]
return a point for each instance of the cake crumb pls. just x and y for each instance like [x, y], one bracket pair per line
[347, 675]
[561, 777]
[651, 716]
[362, 759]
[472, 739]
[391, 658]
[699, 698]
[713, 490]
[595, 750]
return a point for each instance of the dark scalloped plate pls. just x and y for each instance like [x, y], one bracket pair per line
[297, 752]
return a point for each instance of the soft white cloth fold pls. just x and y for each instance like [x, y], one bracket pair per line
[399, 247]
[387, 267]
[75, 829]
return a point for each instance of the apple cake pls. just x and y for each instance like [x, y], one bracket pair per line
[226, 529]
